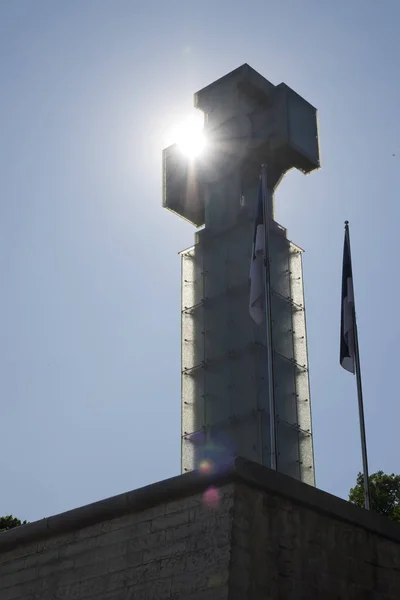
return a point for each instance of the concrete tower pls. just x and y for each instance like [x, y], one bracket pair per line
[225, 398]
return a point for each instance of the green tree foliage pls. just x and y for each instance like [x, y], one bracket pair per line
[384, 492]
[9, 522]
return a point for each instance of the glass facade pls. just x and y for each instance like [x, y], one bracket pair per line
[225, 404]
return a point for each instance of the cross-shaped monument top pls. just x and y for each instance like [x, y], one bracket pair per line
[248, 122]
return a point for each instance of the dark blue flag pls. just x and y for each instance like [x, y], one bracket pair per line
[347, 337]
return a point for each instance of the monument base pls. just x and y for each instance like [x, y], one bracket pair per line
[247, 533]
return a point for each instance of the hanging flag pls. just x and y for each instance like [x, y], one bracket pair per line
[349, 350]
[257, 273]
[347, 330]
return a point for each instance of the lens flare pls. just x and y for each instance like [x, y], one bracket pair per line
[211, 498]
[206, 466]
[213, 453]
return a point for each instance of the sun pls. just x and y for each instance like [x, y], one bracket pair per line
[190, 136]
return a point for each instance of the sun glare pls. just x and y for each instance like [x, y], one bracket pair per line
[190, 136]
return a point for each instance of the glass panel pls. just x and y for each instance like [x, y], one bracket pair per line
[285, 390]
[217, 393]
[192, 277]
[288, 450]
[282, 333]
[217, 327]
[242, 329]
[192, 338]
[306, 459]
[188, 459]
[279, 250]
[193, 401]
[244, 389]
[302, 378]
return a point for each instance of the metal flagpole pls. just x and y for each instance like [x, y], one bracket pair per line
[267, 213]
[367, 501]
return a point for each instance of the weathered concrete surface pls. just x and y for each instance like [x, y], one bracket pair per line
[172, 549]
[269, 537]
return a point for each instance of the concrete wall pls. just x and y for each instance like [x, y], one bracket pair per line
[269, 537]
[282, 550]
[293, 542]
[174, 549]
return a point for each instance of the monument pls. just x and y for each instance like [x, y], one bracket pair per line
[226, 389]
[246, 531]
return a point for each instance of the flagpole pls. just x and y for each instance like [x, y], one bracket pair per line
[367, 499]
[267, 213]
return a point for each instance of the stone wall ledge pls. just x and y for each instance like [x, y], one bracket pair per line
[242, 471]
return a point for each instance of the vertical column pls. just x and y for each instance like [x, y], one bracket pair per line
[192, 356]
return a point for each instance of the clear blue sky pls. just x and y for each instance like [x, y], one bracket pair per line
[90, 276]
